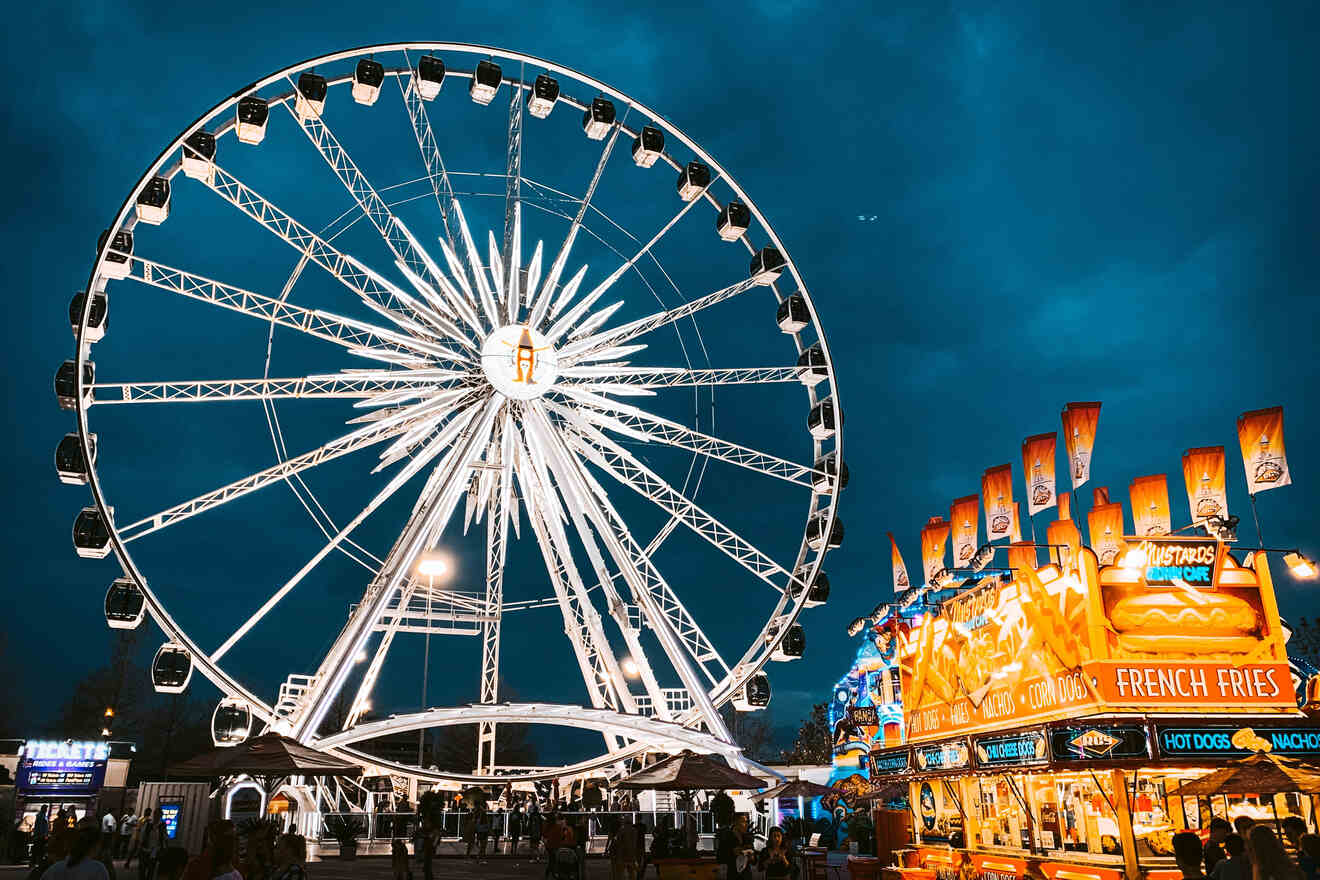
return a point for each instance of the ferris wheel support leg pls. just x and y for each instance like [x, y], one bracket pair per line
[424, 523]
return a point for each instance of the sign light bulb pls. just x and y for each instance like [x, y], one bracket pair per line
[1134, 558]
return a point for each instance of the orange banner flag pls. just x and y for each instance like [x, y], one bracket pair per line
[1066, 541]
[1105, 523]
[933, 538]
[997, 491]
[1150, 505]
[1079, 424]
[901, 582]
[1015, 533]
[1260, 433]
[1207, 492]
[1038, 468]
[1099, 495]
[1065, 505]
[964, 517]
[1022, 555]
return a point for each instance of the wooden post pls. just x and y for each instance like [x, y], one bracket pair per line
[1127, 841]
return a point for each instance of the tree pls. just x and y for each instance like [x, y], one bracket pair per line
[751, 730]
[813, 743]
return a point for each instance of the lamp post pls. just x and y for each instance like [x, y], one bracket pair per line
[430, 566]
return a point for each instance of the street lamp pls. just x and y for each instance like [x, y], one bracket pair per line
[430, 566]
[1299, 565]
[629, 667]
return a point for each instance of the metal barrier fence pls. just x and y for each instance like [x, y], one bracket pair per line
[458, 825]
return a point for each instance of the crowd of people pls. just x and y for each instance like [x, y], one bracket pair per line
[65, 848]
[1248, 850]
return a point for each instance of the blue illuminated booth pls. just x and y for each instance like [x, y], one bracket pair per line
[85, 776]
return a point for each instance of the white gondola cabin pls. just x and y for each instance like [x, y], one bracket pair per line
[251, 116]
[125, 606]
[91, 534]
[485, 83]
[98, 320]
[647, 146]
[116, 263]
[66, 383]
[309, 103]
[828, 471]
[767, 265]
[367, 79]
[429, 77]
[693, 180]
[733, 220]
[598, 118]
[199, 156]
[793, 315]
[171, 669]
[792, 646]
[69, 461]
[231, 722]
[543, 94]
[153, 203]
[811, 366]
[817, 539]
[754, 695]
[822, 420]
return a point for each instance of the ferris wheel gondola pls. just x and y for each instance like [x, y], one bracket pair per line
[513, 378]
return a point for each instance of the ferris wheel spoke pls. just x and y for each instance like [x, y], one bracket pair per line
[441, 185]
[645, 583]
[349, 272]
[635, 422]
[513, 173]
[258, 389]
[600, 672]
[577, 351]
[419, 461]
[625, 468]
[565, 467]
[358, 186]
[540, 304]
[351, 442]
[443, 491]
[358, 337]
[646, 248]
[604, 377]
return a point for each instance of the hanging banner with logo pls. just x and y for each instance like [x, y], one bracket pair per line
[933, 538]
[901, 581]
[1099, 495]
[1260, 433]
[1150, 505]
[963, 518]
[1022, 556]
[1105, 523]
[1038, 466]
[997, 491]
[1203, 472]
[1065, 541]
[1079, 424]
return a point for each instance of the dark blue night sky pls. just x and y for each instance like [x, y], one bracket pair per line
[999, 208]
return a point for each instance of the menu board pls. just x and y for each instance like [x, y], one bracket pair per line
[60, 776]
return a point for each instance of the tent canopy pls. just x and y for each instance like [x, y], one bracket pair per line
[267, 755]
[688, 771]
[1259, 773]
[798, 788]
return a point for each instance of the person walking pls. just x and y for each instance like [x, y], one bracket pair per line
[150, 844]
[291, 858]
[1188, 855]
[126, 825]
[622, 850]
[483, 831]
[1214, 844]
[1269, 860]
[534, 824]
[1234, 864]
[135, 840]
[515, 829]
[1308, 859]
[80, 863]
[40, 834]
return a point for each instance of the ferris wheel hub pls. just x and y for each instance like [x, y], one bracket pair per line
[519, 362]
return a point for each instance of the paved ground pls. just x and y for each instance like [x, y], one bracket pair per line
[378, 868]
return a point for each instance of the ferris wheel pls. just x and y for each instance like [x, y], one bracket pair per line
[522, 319]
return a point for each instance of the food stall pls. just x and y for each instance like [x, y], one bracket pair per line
[1048, 710]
